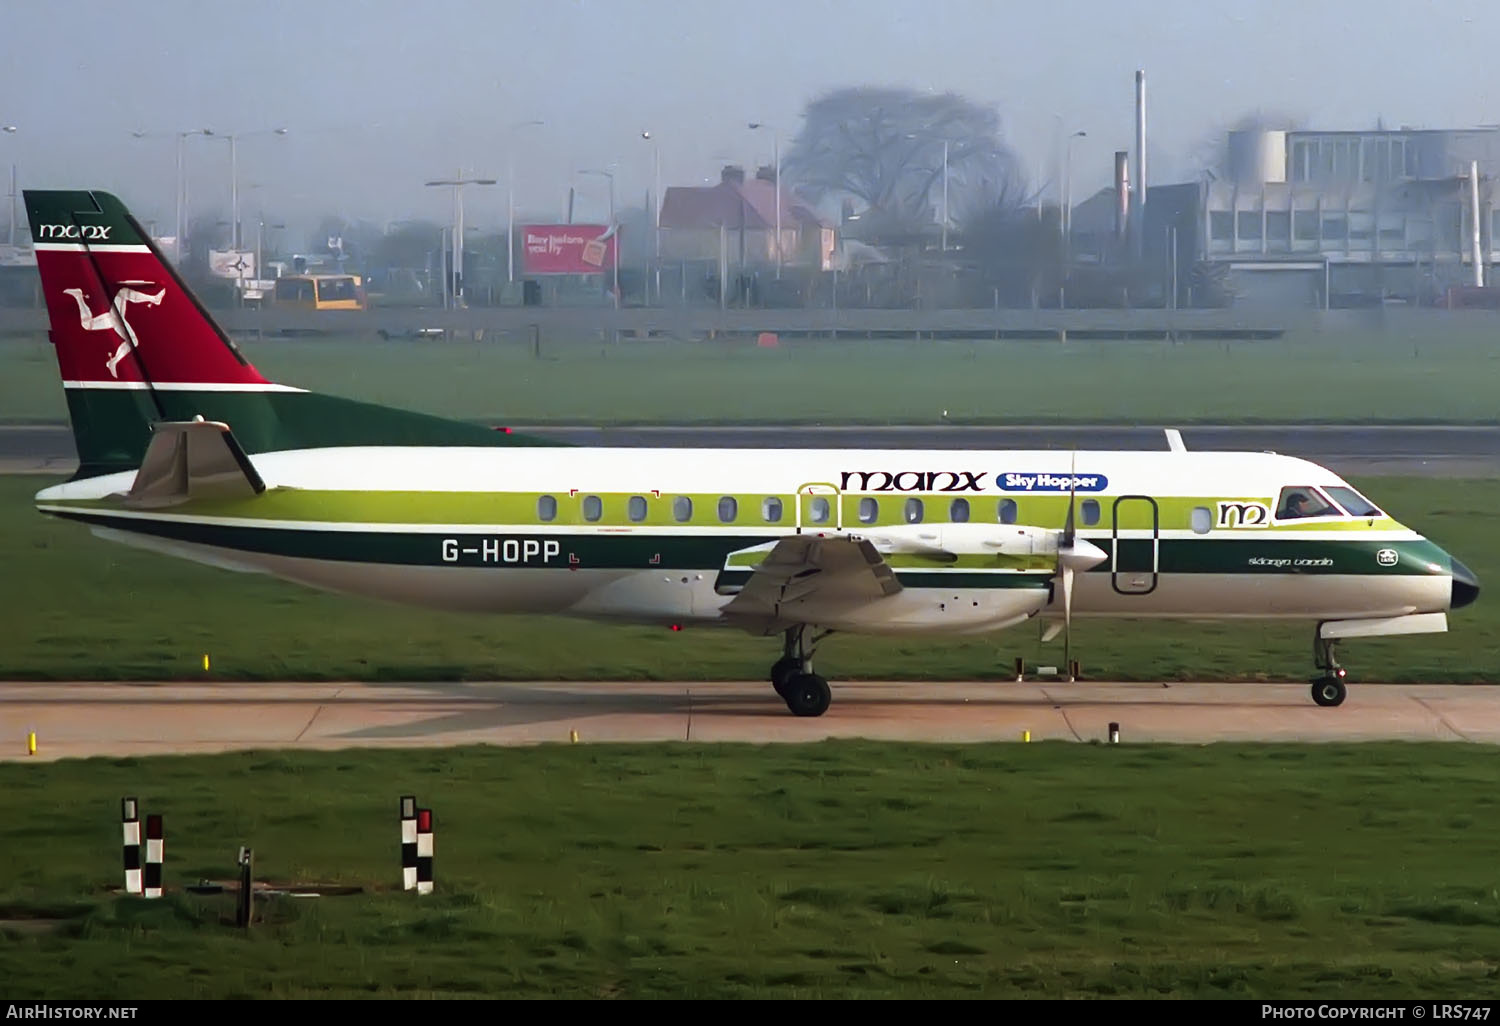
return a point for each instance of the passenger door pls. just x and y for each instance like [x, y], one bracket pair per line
[1135, 558]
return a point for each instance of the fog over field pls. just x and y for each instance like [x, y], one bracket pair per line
[380, 97]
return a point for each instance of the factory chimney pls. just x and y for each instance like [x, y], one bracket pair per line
[1474, 251]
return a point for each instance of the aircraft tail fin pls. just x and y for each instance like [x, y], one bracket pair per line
[136, 347]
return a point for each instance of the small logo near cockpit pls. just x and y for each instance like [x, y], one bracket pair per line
[1386, 557]
[1244, 514]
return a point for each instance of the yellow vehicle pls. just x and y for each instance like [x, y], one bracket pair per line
[320, 292]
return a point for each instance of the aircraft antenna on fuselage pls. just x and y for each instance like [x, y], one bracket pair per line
[1174, 440]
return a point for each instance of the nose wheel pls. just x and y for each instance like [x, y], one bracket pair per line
[1328, 689]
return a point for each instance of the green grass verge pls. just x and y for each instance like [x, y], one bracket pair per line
[1306, 377]
[76, 607]
[846, 869]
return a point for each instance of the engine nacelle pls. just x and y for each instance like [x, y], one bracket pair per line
[939, 541]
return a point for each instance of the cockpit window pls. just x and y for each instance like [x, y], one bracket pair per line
[1299, 502]
[1354, 503]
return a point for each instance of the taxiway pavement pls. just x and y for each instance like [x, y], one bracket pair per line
[74, 720]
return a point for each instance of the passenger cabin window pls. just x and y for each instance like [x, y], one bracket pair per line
[1007, 511]
[682, 509]
[728, 509]
[1090, 512]
[958, 511]
[770, 510]
[1202, 519]
[593, 508]
[869, 510]
[1354, 503]
[636, 508]
[913, 511]
[817, 510]
[546, 509]
[1298, 502]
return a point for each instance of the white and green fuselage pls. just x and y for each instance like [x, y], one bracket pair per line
[186, 448]
[662, 534]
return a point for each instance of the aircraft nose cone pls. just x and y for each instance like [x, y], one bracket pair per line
[1465, 586]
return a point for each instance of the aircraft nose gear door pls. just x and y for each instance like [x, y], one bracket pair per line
[1134, 562]
[819, 508]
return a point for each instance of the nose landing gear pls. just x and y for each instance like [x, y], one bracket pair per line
[1327, 689]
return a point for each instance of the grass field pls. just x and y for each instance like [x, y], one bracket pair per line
[75, 607]
[830, 870]
[1342, 377]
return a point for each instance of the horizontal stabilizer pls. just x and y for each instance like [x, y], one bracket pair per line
[197, 459]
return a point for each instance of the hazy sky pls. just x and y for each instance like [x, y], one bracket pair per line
[379, 96]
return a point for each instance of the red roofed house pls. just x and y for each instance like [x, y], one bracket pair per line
[736, 221]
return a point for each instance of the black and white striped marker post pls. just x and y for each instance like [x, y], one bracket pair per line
[424, 851]
[131, 823]
[154, 854]
[408, 842]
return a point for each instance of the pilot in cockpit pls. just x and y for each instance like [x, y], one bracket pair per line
[1299, 504]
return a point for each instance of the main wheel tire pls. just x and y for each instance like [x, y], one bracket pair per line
[807, 694]
[1329, 691]
[782, 671]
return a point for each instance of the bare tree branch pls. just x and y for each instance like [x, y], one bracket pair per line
[884, 147]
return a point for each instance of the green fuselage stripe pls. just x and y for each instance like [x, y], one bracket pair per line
[668, 550]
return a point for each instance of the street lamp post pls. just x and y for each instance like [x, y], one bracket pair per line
[457, 184]
[443, 277]
[180, 203]
[945, 195]
[1065, 222]
[234, 177]
[776, 169]
[655, 210]
[11, 130]
[612, 228]
[510, 201]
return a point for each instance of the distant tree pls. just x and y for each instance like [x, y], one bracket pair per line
[208, 229]
[884, 147]
[340, 239]
[1208, 285]
[410, 244]
[1018, 252]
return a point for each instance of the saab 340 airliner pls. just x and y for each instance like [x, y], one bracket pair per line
[184, 448]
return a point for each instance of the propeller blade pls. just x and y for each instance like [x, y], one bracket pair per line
[1067, 589]
[1068, 530]
[1065, 565]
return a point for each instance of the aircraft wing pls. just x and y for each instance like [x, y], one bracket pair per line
[804, 578]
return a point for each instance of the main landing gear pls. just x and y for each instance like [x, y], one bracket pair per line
[805, 693]
[1328, 689]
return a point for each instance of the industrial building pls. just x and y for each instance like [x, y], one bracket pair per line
[1308, 219]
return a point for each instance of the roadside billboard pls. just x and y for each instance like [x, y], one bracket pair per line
[567, 248]
[231, 263]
